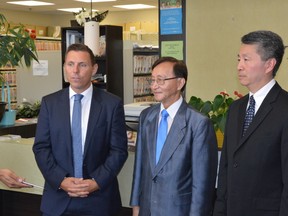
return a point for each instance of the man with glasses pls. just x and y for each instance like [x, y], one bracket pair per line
[176, 151]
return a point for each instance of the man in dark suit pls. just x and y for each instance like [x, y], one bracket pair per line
[178, 180]
[253, 175]
[103, 142]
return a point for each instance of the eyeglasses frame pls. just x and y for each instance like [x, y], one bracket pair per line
[170, 78]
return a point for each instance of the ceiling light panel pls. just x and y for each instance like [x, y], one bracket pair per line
[88, 1]
[72, 10]
[31, 3]
[134, 6]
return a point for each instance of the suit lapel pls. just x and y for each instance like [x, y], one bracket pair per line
[174, 138]
[62, 113]
[261, 114]
[240, 123]
[152, 128]
[93, 118]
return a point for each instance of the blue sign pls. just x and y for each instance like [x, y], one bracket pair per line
[171, 21]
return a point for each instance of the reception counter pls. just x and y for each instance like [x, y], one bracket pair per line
[17, 155]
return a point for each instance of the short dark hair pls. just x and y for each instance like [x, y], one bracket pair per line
[82, 48]
[179, 67]
[270, 45]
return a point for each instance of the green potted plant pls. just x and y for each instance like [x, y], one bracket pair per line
[216, 110]
[28, 110]
[16, 43]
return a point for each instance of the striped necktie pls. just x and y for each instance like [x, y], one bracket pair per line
[249, 114]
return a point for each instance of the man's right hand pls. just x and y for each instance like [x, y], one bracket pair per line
[75, 187]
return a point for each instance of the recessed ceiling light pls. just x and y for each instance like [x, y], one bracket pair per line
[95, 0]
[134, 6]
[31, 3]
[73, 10]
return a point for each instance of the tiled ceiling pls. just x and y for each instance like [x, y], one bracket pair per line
[101, 6]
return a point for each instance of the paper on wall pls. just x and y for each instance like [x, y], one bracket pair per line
[41, 68]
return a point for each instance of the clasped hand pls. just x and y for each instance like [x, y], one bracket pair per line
[78, 187]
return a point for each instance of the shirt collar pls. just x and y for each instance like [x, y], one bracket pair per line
[172, 109]
[261, 93]
[87, 92]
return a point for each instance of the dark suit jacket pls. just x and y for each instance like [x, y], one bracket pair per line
[253, 178]
[104, 154]
[183, 181]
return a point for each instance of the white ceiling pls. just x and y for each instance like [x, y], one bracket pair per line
[101, 6]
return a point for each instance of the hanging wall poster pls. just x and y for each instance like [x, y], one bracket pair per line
[170, 17]
[173, 49]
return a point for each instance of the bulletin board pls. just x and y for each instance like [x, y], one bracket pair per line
[172, 28]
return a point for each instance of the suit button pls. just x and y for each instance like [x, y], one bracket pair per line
[235, 165]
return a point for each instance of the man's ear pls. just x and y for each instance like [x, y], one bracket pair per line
[270, 64]
[181, 83]
[95, 69]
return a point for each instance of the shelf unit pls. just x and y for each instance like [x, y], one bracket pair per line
[137, 67]
[47, 44]
[110, 65]
[10, 76]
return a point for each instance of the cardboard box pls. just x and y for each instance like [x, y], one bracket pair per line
[41, 30]
[149, 26]
[54, 31]
[133, 26]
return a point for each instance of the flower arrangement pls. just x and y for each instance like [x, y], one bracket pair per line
[217, 109]
[84, 16]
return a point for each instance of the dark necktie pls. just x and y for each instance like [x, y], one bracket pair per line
[249, 114]
[77, 136]
[162, 133]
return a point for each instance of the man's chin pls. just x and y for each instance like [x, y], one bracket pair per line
[158, 98]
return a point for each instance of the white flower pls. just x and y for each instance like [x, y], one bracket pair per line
[84, 15]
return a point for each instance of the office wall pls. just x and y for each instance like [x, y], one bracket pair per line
[33, 88]
[214, 29]
[113, 18]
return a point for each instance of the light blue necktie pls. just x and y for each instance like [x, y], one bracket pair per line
[162, 134]
[77, 136]
[249, 114]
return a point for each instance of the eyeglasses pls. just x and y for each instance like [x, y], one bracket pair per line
[160, 81]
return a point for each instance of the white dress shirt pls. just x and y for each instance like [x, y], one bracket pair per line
[86, 103]
[260, 95]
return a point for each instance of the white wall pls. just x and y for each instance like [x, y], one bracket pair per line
[32, 87]
[214, 29]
